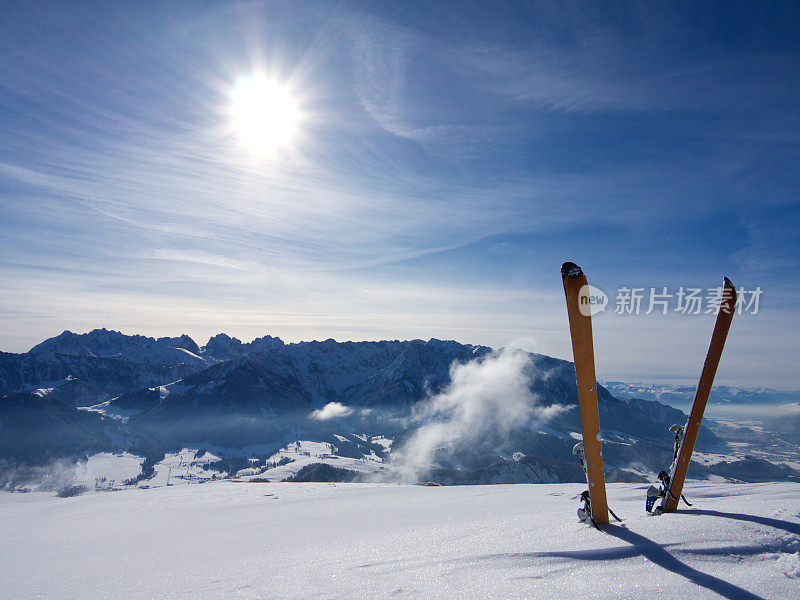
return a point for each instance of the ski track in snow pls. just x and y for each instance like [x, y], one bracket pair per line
[278, 540]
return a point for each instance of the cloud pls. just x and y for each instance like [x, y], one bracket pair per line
[332, 410]
[53, 476]
[137, 209]
[380, 55]
[487, 399]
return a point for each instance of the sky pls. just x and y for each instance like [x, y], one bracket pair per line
[445, 161]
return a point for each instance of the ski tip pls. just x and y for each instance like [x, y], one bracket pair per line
[728, 283]
[571, 270]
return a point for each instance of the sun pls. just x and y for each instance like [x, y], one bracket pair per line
[264, 114]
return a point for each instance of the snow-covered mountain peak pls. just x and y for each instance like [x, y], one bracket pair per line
[266, 344]
[105, 343]
[67, 342]
[222, 347]
[184, 341]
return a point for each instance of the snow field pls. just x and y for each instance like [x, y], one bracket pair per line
[277, 540]
[106, 470]
[304, 452]
[182, 467]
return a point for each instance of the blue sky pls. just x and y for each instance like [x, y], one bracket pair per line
[449, 158]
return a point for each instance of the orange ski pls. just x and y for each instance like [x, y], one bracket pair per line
[672, 484]
[580, 324]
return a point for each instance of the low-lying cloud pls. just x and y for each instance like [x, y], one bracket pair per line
[332, 410]
[41, 478]
[486, 399]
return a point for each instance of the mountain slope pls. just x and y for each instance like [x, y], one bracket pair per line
[235, 403]
[37, 428]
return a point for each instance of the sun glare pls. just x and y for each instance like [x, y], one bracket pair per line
[264, 114]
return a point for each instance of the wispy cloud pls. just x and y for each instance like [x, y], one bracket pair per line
[710, 85]
[128, 202]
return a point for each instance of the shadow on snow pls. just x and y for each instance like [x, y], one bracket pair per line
[656, 553]
[647, 548]
[776, 523]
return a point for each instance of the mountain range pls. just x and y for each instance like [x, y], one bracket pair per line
[682, 395]
[76, 395]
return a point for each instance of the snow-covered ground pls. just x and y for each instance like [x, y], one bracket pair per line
[108, 409]
[302, 453]
[182, 467]
[108, 471]
[105, 470]
[278, 540]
